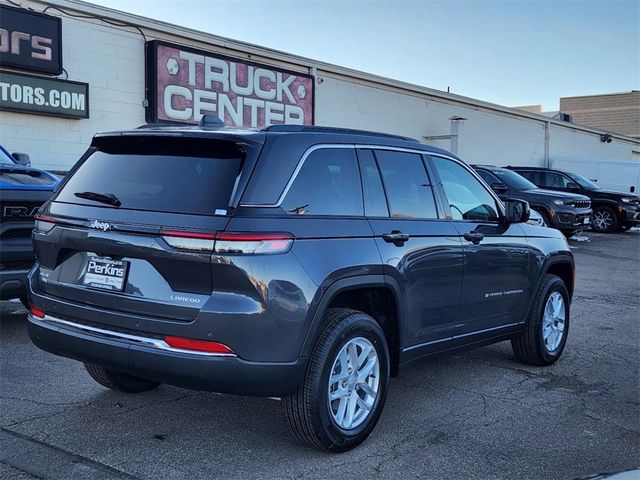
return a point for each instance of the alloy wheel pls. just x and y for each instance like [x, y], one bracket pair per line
[354, 383]
[602, 220]
[553, 322]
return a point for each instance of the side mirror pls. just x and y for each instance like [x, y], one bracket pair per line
[516, 211]
[632, 188]
[499, 187]
[573, 186]
[22, 158]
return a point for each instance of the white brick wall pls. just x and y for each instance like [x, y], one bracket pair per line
[111, 61]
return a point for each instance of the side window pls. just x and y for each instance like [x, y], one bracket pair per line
[533, 176]
[406, 184]
[468, 198]
[327, 184]
[557, 180]
[487, 177]
[375, 204]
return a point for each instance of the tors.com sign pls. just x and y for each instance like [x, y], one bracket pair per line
[184, 84]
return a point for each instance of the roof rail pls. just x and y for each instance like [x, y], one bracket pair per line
[474, 165]
[162, 124]
[318, 129]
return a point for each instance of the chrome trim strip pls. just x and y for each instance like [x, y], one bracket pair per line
[48, 320]
[312, 149]
[407, 349]
[477, 332]
[412, 347]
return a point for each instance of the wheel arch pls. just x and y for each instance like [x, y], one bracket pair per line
[606, 202]
[371, 294]
[563, 266]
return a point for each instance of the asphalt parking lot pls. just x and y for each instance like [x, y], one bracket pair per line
[473, 415]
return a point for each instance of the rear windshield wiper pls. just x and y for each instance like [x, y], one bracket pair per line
[108, 198]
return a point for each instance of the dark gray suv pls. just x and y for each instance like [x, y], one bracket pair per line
[305, 263]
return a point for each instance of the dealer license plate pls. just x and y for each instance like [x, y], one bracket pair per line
[105, 273]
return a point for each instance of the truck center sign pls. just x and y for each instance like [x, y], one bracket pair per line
[184, 84]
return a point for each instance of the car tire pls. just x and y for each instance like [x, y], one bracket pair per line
[547, 325]
[119, 381]
[322, 423]
[604, 220]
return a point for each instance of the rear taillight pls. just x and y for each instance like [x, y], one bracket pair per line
[230, 243]
[186, 240]
[198, 345]
[36, 312]
[44, 223]
[252, 244]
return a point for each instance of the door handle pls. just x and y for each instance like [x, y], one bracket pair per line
[396, 237]
[473, 237]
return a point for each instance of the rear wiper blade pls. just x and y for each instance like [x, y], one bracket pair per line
[108, 198]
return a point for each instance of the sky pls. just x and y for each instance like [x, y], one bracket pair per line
[512, 53]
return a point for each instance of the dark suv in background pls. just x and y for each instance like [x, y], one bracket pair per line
[568, 212]
[611, 210]
[305, 263]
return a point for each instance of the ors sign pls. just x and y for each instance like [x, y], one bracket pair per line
[30, 40]
[184, 84]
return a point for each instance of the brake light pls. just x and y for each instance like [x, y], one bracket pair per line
[198, 345]
[188, 234]
[44, 223]
[36, 312]
[238, 243]
[187, 240]
[252, 244]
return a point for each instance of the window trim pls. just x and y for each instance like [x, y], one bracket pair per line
[298, 169]
[319, 146]
[492, 194]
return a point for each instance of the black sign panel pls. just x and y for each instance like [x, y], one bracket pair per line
[30, 40]
[46, 96]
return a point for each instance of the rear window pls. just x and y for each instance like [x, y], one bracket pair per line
[193, 176]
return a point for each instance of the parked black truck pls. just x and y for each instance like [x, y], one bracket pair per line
[568, 212]
[305, 263]
[611, 210]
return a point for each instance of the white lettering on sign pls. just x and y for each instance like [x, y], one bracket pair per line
[27, 95]
[40, 46]
[190, 85]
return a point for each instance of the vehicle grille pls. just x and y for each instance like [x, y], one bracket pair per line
[582, 204]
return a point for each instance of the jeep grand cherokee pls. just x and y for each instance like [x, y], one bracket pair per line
[305, 263]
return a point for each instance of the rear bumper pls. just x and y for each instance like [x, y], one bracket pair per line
[13, 284]
[151, 358]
